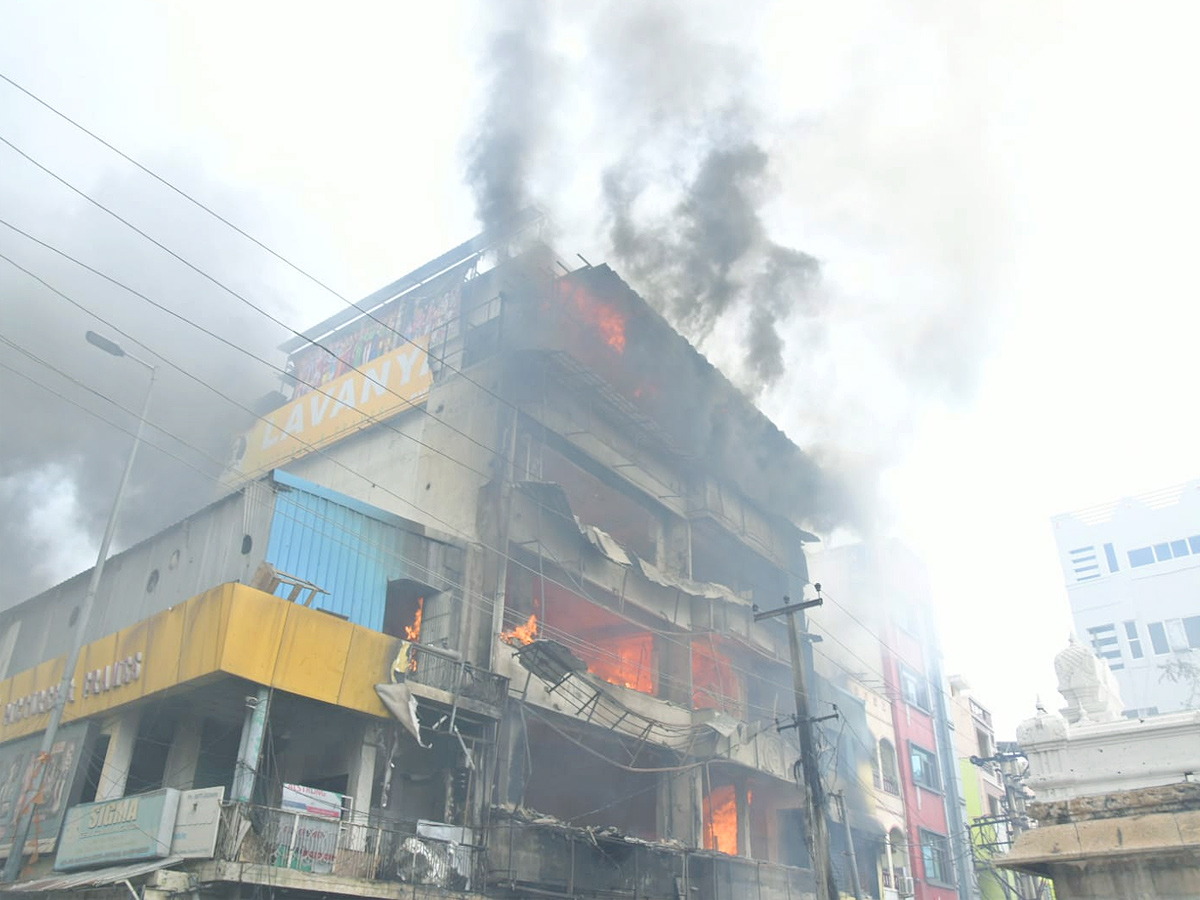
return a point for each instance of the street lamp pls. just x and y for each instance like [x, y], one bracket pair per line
[24, 819]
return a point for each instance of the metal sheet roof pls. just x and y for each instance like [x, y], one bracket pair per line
[93, 878]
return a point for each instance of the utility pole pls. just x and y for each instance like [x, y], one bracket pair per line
[841, 802]
[814, 793]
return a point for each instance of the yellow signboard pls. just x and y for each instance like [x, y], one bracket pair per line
[382, 387]
[233, 630]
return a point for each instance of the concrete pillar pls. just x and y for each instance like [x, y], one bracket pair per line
[680, 806]
[674, 540]
[245, 772]
[743, 817]
[511, 753]
[115, 772]
[360, 785]
[184, 755]
[675, 670]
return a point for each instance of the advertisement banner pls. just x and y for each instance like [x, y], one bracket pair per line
[61, 787]
[386, 385]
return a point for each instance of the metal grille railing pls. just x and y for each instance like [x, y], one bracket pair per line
[392, 852]
[459, 678]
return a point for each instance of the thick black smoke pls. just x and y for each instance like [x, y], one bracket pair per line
[520, 89]
[60, 466]
[710, 255]
[671, 101]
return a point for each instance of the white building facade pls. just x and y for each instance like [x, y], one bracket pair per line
[1132, 570]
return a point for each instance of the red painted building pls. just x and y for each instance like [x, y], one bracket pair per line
[881, 625]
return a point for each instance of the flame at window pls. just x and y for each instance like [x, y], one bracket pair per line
[522, 634]
[627, 661]
[590, 310]
[720, 820]
[413, 632]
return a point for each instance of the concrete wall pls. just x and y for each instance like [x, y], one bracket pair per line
[177, 563]
[378, 465]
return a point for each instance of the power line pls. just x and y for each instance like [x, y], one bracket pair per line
[319, 451]
[258, 243]
[594, 649]
[180, 192]
[845, 722]
[298, 334]
[372, 419]
[279, 322]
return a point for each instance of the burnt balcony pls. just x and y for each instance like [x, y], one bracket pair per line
[262, 845]
[445, 671]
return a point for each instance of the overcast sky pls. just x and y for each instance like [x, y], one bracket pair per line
[1002, 198]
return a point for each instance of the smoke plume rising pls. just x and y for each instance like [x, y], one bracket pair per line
[803, 196]
[519, 73]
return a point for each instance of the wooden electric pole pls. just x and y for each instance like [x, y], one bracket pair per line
[814, 792]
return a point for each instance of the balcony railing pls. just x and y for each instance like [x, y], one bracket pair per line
[530, 859]
[891, 785]
[377, 852]
[439, 669]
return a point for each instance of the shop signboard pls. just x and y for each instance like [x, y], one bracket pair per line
[129, 829]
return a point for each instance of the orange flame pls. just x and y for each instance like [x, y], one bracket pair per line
[522, 634]
[627, 661]
[720, 820]
[413, 631]
[604, 318]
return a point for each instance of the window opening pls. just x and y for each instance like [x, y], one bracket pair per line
[1135, 643]
[924, 768]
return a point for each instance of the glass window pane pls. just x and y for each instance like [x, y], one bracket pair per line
[1111, 555]
[1162, 552]
[1194, 543]
[1158, 638]
[1179, 548]
[1143, 556]
[1191, 627]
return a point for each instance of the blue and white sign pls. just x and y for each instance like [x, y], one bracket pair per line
[126, 830]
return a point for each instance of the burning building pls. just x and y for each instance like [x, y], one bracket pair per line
[480, 594]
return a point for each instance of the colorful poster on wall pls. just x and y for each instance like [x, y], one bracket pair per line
[61, 786]
[435, 314]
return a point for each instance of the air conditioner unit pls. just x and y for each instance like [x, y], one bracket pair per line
[904, 886]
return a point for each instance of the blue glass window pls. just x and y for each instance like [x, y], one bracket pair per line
[1135, 642]
[1158, 638]
[1162, 552]
[1194, 540]
[1142, 556]
[1111, 555]
[1179, 548]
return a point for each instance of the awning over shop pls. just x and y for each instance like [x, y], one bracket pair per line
[76, 881]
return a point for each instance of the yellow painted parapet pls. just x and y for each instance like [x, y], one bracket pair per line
[229, 630]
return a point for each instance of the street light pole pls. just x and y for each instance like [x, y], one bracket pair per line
[24, 818]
